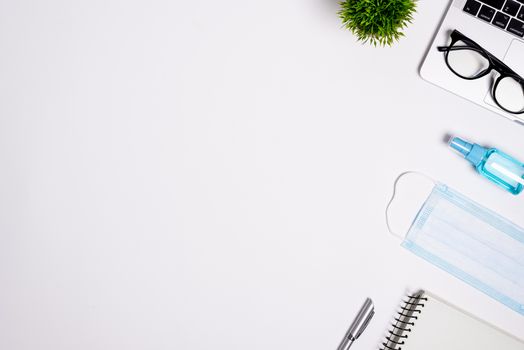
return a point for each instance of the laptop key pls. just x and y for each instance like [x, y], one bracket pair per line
[500, 20]
[494, 3]
[472, 7]
[521, 13]
[486, 13]
[511, 7]
[516, 27]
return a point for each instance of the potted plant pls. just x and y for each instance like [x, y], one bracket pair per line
[377, 21]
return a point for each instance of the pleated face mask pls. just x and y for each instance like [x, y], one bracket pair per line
[470, 242]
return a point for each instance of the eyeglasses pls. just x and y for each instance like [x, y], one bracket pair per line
[470, 61]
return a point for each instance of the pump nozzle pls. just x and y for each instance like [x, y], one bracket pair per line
[471, 151]
[458, 144]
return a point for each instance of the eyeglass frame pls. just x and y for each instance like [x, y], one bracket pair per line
[494, 64]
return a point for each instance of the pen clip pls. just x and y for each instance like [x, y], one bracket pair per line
[366, 321]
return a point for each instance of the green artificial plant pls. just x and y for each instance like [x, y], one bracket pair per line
[377, 21]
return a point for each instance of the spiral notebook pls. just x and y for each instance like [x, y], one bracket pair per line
[426, 322]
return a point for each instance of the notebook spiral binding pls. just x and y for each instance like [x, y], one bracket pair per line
[405, 320]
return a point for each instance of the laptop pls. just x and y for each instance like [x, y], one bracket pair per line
[497, 26]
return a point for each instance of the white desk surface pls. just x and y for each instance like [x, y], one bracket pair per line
[213, 174]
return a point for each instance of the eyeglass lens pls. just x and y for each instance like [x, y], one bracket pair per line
[509, 94]
[465, 61]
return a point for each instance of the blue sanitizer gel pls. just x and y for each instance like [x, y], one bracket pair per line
[493, 164]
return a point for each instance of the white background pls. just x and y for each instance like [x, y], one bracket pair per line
[213, 174]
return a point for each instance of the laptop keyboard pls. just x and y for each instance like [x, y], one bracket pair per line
[505, 14]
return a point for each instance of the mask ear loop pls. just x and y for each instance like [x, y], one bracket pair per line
[410, 172]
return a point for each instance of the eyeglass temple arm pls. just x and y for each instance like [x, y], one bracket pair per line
[454, 48]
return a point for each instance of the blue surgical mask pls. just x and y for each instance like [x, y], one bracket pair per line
[472, 243]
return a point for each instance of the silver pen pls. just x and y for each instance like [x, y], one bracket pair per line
[359, 324]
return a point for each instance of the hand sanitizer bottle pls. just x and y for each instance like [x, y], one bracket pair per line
[493, 164]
